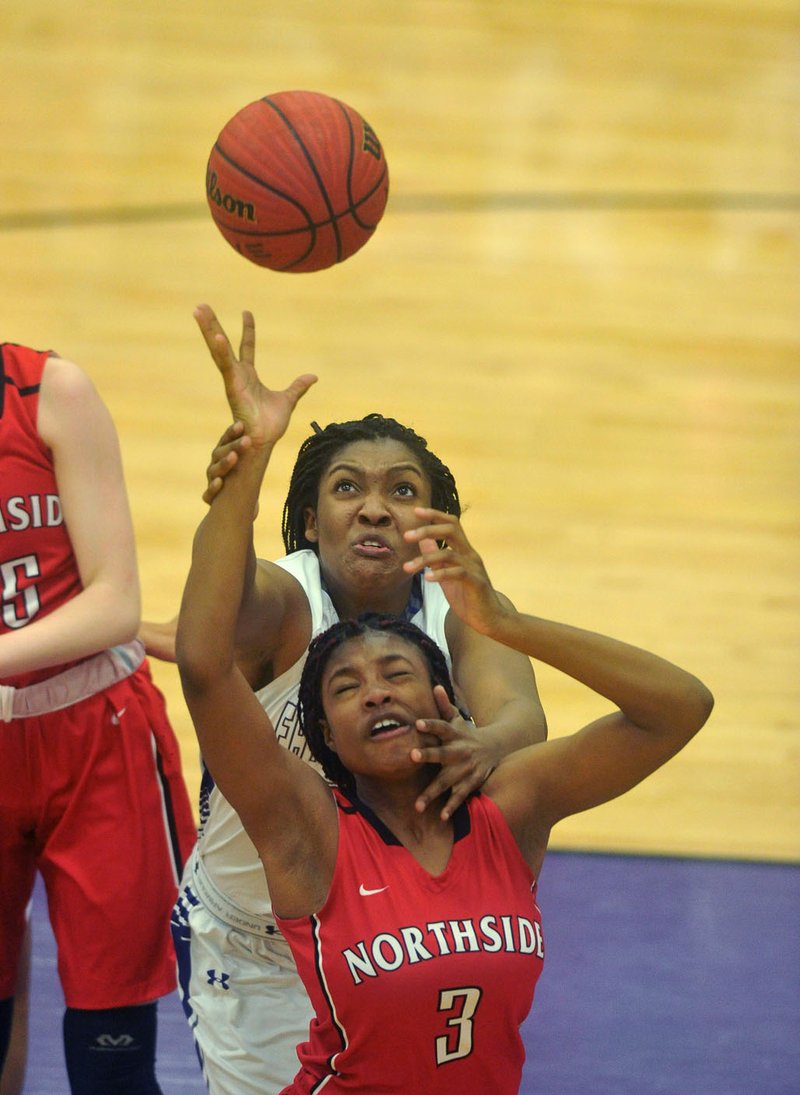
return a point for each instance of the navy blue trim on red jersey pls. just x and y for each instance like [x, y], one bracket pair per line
[30, 389]
[169, 810]
[323, 984]
[461, 819]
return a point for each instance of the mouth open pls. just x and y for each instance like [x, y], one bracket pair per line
[388, 728]
[372, 547]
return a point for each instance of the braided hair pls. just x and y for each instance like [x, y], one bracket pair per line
[310, 710]
[318, 450]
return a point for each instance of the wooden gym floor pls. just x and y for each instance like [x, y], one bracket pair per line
[585, 293]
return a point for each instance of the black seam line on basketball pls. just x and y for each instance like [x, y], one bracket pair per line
[353, 206]
[350, 161]
[264, 185]
[309, 226]
[309, 159]
[430, 203]
[314, 225]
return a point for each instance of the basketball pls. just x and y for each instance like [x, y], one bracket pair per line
[297, 181]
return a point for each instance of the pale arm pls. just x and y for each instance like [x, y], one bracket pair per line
[76, 425]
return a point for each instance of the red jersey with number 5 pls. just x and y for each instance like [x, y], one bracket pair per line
[419, 983]
[38, 571]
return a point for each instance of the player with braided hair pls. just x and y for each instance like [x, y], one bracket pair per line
[420, 923]
[318, 450]
[352, 497]
[311, 714]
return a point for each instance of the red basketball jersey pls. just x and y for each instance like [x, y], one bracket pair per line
[38, 571]
[419, 983]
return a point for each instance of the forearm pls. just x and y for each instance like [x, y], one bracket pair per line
[651, 691]
[102, 615]
[499, 686]
[518, 723]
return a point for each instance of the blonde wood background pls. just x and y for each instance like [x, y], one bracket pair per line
[584, 292]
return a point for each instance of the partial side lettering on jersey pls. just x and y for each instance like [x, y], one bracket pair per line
[30, 511]
[288, 732]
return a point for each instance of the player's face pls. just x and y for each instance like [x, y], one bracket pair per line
[366, 501]
[374, 689]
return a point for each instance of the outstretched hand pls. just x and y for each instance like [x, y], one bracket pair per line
[457, 568]
[466, 761]
[264, 414]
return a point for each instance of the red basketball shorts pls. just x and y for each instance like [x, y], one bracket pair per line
[93, 798]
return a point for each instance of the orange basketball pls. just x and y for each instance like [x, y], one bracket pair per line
[297, 181]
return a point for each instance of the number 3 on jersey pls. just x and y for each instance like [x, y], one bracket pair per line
[19, 608]
[457, 1043]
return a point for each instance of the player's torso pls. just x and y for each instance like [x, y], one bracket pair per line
[228, 855]
[455, 957]
[38, 572]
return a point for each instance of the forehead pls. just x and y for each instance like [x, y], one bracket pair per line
[371, 648]
[376, 457]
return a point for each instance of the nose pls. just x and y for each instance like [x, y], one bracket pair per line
[374, 510]
[377, 695]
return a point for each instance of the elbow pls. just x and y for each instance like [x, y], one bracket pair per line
[198, 660]
[131, 621]
[698, 705]
[199, 676]
[124, 612]
[706, 700]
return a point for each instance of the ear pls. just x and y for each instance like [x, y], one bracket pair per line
[310, 519]
[327, 735]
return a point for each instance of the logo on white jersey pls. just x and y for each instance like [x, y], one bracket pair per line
[220, 979]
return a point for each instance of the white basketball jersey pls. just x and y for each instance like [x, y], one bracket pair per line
[226, 852]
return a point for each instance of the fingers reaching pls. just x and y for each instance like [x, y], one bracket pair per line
[247, 345]
[264, 413]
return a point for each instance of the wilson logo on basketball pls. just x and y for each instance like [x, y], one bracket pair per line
[370, 142]
[245, 211]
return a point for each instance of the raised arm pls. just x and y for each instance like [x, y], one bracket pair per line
[497, 684]
[263, 782]
[268, 593]
[91, 487]
[659, 706]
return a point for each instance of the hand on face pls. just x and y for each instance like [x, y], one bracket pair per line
[465, 762]
[457, 568]
[264, 413]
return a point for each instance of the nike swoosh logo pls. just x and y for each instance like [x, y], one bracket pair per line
[368, 893]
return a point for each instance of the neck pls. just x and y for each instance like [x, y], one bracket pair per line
[350, 602]
[394, 803]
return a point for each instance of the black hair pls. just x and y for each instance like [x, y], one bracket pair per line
[318, 450]
[310, 710]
